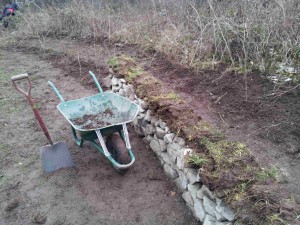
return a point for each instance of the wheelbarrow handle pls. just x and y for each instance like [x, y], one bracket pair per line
[31, 102]
[56, 91]
[96, 81]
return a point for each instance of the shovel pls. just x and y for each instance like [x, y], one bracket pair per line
[54, 156]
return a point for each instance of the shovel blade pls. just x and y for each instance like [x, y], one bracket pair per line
[56, 156]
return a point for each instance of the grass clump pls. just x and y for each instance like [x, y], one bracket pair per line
[197, 160]
[167, 96]
[265, 174]
[125, 66]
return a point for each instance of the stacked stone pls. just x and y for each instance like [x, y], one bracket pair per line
[172, 152]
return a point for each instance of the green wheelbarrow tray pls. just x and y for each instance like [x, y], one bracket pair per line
[100, 115]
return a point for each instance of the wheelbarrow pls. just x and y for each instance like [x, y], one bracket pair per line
[101, 116]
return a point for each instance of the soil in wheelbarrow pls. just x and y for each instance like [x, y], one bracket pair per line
[92, 193]
[92, 121]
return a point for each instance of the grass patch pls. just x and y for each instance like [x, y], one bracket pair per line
[125, 66]
[265, 174]
[169, 96]
[133, 72]
[196, 160]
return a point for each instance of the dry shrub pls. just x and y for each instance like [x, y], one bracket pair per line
[252, 34]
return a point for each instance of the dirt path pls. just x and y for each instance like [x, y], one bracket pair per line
[92, 193]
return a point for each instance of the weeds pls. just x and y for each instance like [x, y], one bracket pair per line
[196, 160]
[245, 34]
[169, 96]
[265, 174]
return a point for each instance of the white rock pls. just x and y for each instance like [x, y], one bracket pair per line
[153, 120]
[180, 163]
[148, 116]
[149, 138]
[154, 145]
[135, 121]
[162, 124]
[162, 162]
[167, 129]
[172, 152]
[144, 104]
[168, 138]
[225, 211]
[192, 175]
[121, 92]
[179, 184]
[179, 141]
[160, 132]
[193, 188]
[115, 88]
[106, 82]
[219, 216]
[187, 198]
[209, 206]
[162, 145]
[141, 110]
[149, 129]
[183, 179]
[176, 147]
[120, 83]
[209, 220]
[204, 191]
[165, 156]
[128, 90]
[170, 172]
[131, 97]
[123, 80]
[114, 81]
[141, 115]
[199, 210]
[183, 152]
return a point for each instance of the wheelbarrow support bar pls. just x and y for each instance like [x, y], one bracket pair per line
[108, 155]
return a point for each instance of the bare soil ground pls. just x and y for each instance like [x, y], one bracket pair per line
[267, 121]
[91, 193]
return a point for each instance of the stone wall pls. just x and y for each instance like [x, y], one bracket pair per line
[172, 152]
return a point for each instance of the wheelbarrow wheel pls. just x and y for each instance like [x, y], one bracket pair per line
[117, 149]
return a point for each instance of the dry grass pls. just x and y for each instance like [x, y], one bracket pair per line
[252, 34]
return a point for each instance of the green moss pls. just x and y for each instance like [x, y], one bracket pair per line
[133, 72]
[113, 61]
[265, 174]
[201, 132]
[197, 160]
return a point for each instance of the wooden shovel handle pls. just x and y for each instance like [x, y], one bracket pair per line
[31, 102]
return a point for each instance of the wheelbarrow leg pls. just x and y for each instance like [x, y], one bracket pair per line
[78, 141]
